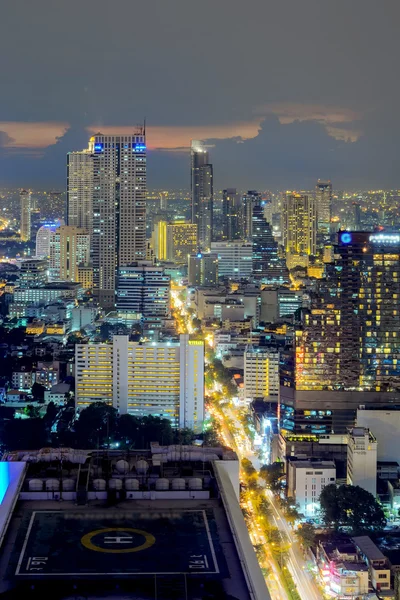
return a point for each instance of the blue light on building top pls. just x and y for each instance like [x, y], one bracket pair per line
[346, 238]
[4, 479]
[139, 147]
[99, 147]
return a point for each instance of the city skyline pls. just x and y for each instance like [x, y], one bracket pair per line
[316, 109]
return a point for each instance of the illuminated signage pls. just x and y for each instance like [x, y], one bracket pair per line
[346, 238]
[99, 147]
[385, 238]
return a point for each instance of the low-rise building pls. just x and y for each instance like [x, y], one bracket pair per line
[306, 480]
[343, 572]
[378, 564]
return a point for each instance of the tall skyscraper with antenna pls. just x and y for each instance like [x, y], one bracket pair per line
[202, 193]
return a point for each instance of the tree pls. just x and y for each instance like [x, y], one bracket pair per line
[306, 535]
[33, 412]
[351, 507]
[272, 475]
[248, 468]
[96, 425]
[26, 434]
[38, 391]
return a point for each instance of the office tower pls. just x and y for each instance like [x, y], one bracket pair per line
[69, 249]
[118, 163]
[159, 379]
[249, 201]
[235, 259]
[33, 273]
[181, 241]
[299, 220]
[267, 265]
[159, 240]
[323, 198]
[362, 454]
[231, 215]
[261, 373]
[26, 207]
[203, 269]
[202, 193]
[43, 239]
[144, 289]
[80, 182]
[345, 354]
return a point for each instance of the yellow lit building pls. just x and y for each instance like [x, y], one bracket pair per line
[181, 241]
[35, 328]
[85, 276]
[299, 224]
[159, 240]
[261, 376]
[160, 379]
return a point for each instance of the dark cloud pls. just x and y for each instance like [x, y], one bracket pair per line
[5, 139]
[211, 65]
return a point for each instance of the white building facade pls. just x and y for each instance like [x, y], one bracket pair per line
[362, 455]
[306, 480]
[160, 379]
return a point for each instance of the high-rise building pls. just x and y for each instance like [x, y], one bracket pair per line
[232, 215]
[261, 373]
[118, 163]
[362, 453]
[69, 248]
[202, 193]
[80, 188]
[26, 207]
[43, 237]
[159, 379]
[267, 265]
[235, 259]
[323, 198]
[203, 269]
[249, 201]
[145, 289]
[299, 224]
[159, 240]
[346, 353]
[181, 241]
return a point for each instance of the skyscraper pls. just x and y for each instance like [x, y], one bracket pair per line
[299, 224]
[26, 207]
[43, 237]
[145, 289]
[347, 352]
[80, 181]
[267, 265]
[202, 193]
[231, 215]
[203, 269]
[249, 201]
[112, 171]
[69, 248]
[181, 241]
[323, 198]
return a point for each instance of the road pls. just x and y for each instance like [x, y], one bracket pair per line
[237, 439]
[296, 564]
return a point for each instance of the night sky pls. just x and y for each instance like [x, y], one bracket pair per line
[284, 91]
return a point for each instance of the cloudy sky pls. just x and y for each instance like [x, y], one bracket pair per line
[284, 91]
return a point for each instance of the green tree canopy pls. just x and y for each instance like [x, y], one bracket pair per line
[306, 535]
[96, 424]
[351, 507]
[272, 474]
[38, 391]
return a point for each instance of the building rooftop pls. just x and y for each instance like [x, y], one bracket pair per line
[367, 547]
[310, 464]
[77, 529]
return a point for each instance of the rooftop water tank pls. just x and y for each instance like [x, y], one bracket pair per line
[178, 484]
[68, 485]
[35, 485]
[131, 484]
[142, 466]
[122, 466]
[162, 484]
[52, 485]
[99, 485]
[115, 484]
[195, 483]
